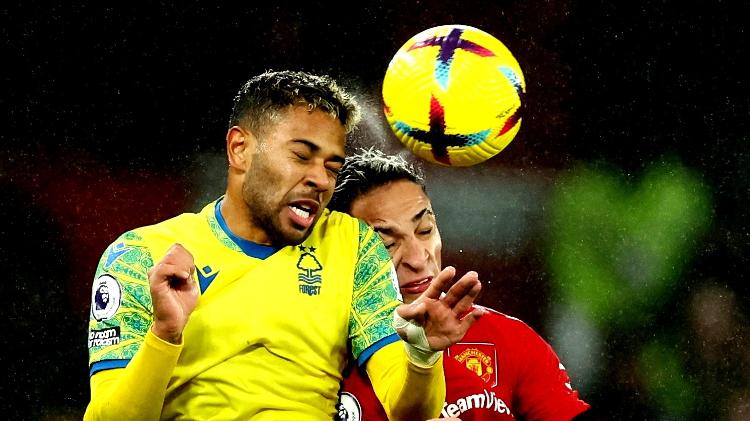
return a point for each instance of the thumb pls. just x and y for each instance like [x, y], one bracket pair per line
[411, 332]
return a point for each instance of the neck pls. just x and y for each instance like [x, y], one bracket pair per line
[237, 216]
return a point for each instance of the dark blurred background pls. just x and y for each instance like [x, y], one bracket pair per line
[615, 223]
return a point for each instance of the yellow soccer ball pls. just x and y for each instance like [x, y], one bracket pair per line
[454, 95]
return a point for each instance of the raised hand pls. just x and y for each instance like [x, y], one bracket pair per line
[174, 293]
[446, 309]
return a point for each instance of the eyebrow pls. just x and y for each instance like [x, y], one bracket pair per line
[416, 218]
[314, 148]
[421, 214]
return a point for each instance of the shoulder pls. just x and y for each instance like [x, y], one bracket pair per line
[336, 217]
[180, 223]
[149, 237]
[501, 327]
[345, 224]
[337, 224]
[160, 235]
[495, 318]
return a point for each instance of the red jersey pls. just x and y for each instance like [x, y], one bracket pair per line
[501, 369]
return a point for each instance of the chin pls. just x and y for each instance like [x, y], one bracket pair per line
[296, 238]
[291, 235]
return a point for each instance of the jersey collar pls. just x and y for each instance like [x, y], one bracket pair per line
[252, 249]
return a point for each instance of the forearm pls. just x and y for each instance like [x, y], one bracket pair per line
[137, 391]
[407, 392]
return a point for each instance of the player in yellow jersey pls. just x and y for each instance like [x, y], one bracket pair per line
[251, 308]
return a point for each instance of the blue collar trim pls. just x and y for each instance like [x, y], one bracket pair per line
[259, 251]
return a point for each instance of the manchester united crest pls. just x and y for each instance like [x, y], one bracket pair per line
[479, 358]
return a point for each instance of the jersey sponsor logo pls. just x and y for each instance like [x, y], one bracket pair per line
[479, 358]
[104, 337]
[206, 275]
[485, 400]
[115, 251]
[348, 408]
[309, 279]
[105, 297]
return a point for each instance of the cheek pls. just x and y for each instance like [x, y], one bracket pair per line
[438, 247]
[248, 185]
[286, 175]
[400, 275]
[268, 177]
[400, 271]
[260, 186]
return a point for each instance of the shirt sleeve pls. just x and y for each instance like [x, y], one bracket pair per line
[544, 390]
[129, 366]
[136, 392]
[375, 297]
[407, 392]
[121, 308]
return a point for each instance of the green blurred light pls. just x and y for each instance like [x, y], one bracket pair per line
[617, 250]
[664, 378]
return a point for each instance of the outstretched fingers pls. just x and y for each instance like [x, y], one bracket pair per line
[445, 310]
[440, 284]
[460, 297]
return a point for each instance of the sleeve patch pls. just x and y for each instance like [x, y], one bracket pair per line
[104, 337]
[105, 297]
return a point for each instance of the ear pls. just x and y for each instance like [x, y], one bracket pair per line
[240, 144]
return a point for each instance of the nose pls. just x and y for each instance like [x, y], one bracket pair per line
[414, 254]
[318, 178]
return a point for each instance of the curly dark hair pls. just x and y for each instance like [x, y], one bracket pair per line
[258, 102]
[368, 169]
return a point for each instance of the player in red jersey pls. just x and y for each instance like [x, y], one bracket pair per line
[501, 369]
